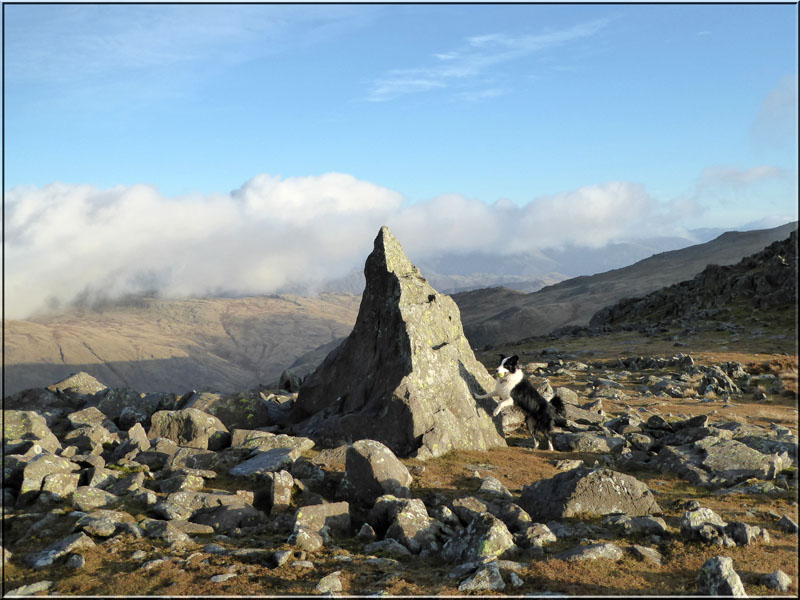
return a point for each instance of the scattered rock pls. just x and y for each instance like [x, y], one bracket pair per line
[76, 561]
[389, 546]
[777, 580]
[487, 577]
[588, 492]
[87, 498]
[591, 552]
[717, 578]
[269, 461]
[373, 470]
[645, 553]
[486, 537]
[31, 589]
[56, 550]
[787, 524]
[189, 427]
[330, 583]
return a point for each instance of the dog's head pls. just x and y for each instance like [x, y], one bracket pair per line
[508, 365]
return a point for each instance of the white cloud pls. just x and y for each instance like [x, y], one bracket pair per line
[70, 241]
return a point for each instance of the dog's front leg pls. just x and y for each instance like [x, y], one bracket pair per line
[488, 395]
[502, 405]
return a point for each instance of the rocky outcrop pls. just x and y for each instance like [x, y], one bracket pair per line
[406, 374]
[763, 280]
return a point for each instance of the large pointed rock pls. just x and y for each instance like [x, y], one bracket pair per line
[406, 374]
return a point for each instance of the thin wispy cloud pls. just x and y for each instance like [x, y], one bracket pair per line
[474, 57]
[737, 177]
[775, 125]
[483, 95]
[75, 44]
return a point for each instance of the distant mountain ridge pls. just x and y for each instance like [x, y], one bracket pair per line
[453, 272]
[234, 344]
[497, 315]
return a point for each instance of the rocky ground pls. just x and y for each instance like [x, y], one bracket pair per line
[676, 474]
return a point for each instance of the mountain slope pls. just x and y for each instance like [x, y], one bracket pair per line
[496, 315]
[171, 345]
[758, 283]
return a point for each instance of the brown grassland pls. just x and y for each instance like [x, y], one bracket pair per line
[111, 570]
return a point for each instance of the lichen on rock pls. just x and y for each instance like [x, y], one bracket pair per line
[406, 374]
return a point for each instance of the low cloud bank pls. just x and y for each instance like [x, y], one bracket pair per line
[67, 243]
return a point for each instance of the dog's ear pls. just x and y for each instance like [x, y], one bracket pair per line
[513, 360]
[502, 357]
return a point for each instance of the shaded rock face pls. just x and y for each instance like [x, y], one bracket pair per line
[406, 374]
[585, 491]
[371, 470]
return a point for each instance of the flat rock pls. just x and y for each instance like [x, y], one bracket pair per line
[268, 461]
[591, 552]
[103, 523]
[87, 498]
[56, 550]
[31, 589]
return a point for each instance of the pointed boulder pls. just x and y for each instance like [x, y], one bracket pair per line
[406, 374]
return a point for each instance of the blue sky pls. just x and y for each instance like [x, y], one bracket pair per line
[682, 115]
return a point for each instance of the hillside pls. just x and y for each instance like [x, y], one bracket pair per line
[170, 345]
[757, 286]
[496, 315]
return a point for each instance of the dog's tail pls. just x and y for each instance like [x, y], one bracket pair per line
[560, 411]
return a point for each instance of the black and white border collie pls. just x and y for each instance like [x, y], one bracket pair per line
[512, 387]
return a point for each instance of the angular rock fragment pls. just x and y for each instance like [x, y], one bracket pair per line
[20, 426]
[717, 578]
[486, 537]
[79, 383]
[372, 470]
[487, 577]
[777, 580]
[87, 498]
[413, 528]
[645, 553]
[191, 428]
[335, 516]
